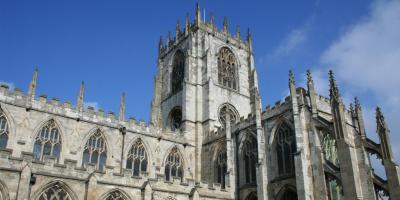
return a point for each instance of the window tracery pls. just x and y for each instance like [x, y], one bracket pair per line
[250, 160]
[4, 133]
[227, 68]
[286, 146]
[221, 167]
[47, 141]
[334, 187]
[329, 149]
[174, 165]
[178, 72]
[225, 110]
[55, 192]
[137, 158]
[95, 150]
[115, 195]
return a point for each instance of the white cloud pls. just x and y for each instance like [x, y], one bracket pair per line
[10, 85]
[366, 60]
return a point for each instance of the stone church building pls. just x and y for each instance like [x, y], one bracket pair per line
[208, 137]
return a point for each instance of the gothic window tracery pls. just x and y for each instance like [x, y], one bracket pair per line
[115, 195]
[178, 72]
[47, 141]
[55, 192]
[221, 167]
[329, 149]
[334, 187]
[250, 160]
[289, 195]
[95, 150]
[225, 110]
[4, 133]
[174, 165]
[175, 118]
[137, 158]
[252, 196]
[285, 148]
[227, 68]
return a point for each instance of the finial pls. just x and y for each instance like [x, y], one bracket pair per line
[225, 25]
[187, 24]
[122, 108]
[169, 39]
[160, 44]
[178, 30]
[309, 77]
[238, 32]
[352, 108]
[249, 40]
[357, 103]
[380, 119]
[79, 104]
[334, 91]
[291, 77]
[198, 13]
[32, 85]
[212, 19]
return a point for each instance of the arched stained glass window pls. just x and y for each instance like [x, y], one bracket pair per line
[178, 72]
[227, 68]
[252, 196]
[329, 149]
[221, 167]
[137, 158]
[334, 187]
[289, 195]
[55, 192]
[285, 148]
[47, 141]
[175, 118]
[174, 165]
[95, 150]
[116, 195]
[225, 110]
[4, 133]
[250, 160]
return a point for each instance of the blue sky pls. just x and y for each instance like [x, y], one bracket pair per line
[112, 46]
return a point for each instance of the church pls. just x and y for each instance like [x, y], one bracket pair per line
[208, 136]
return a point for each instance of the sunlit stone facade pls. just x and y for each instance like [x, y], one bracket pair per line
[208, 136]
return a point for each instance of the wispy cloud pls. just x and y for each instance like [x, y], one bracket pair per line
[92, 104]
[366, 59]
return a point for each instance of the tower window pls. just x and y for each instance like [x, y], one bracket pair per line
[178, 72]
[175, 118]
[285, 148]
[226, 110]
[227, 68]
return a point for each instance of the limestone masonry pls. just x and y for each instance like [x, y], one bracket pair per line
[208, 137]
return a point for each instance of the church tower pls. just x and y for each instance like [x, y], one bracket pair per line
[205, 77]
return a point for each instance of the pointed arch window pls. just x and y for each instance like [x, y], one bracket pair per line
[174, 165]
[56, 191]
[252, 196]
[250, 160]
[225, 110]
[227, 68]
[221, 167]
[334, 187]
[95, 150]
[115, 195]
[285, 148]
[329, 149]
[178, 72]
[47, 141]
[137, 158]
[4, 133]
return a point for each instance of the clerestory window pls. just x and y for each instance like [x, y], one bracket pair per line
[95, 150]
[285, 148]
[137, 158]
[4, 133]
[47, 141]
